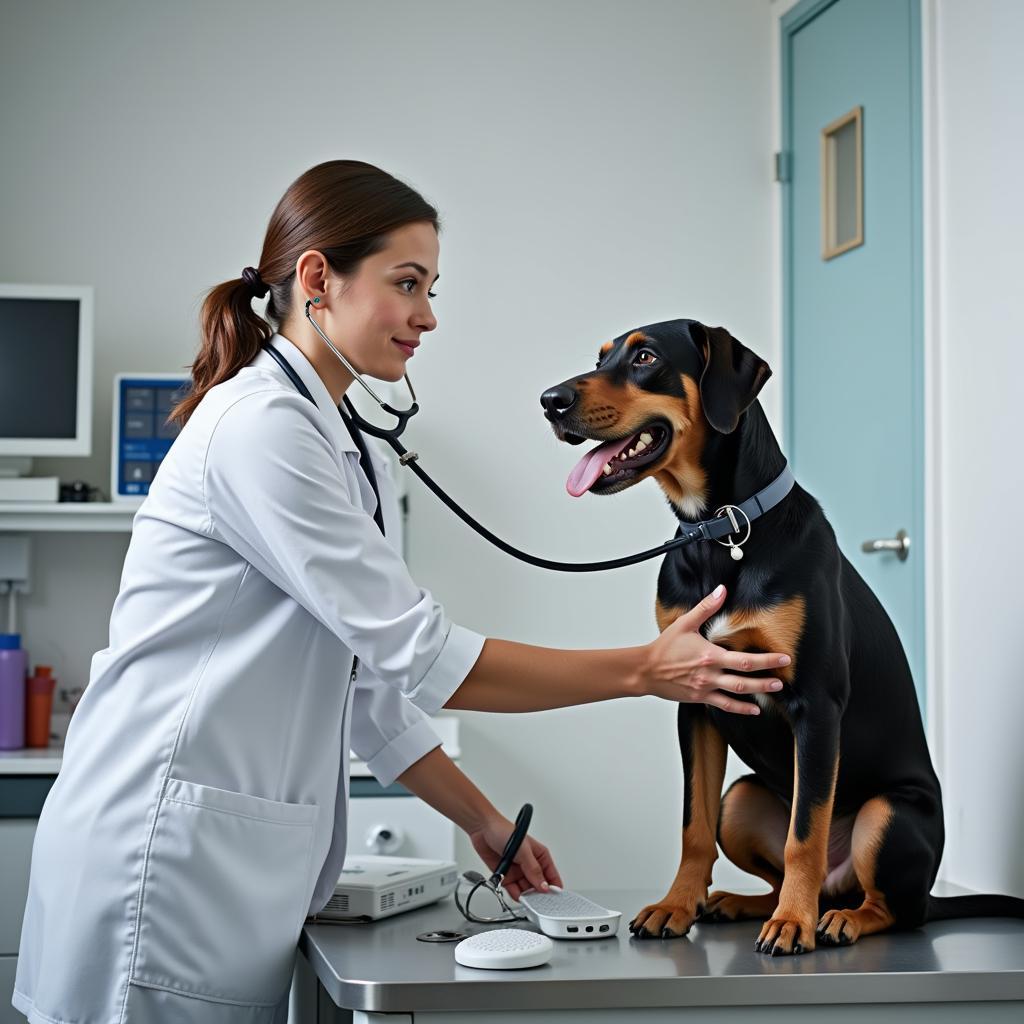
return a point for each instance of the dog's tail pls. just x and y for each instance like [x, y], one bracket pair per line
[947, 908]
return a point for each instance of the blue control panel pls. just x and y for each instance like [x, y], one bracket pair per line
[142, 434]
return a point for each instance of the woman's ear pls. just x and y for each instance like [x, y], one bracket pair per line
[732, 377]
[311, 277]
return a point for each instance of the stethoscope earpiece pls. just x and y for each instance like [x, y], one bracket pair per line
[402, 415]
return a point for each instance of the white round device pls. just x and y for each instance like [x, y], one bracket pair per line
[504, 949]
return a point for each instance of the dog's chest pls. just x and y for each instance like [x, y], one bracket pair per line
[776, 628]
[722, 626]
[687, 576]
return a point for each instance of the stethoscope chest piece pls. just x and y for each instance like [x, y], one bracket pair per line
[441, 936]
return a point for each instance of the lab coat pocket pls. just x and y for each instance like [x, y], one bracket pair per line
[225, 894]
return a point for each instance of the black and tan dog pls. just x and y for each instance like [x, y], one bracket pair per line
[842, 814]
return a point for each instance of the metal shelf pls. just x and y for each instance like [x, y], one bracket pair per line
[67, 517]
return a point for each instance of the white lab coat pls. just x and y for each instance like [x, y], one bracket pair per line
[200, 812]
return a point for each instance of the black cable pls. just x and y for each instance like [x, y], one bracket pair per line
[699, 531]
[543, 563]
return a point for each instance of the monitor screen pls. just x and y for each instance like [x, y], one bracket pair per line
[46, 362]
[39, 354]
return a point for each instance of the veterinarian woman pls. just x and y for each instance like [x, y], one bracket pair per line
[200, 812]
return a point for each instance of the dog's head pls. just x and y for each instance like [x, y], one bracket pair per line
[658, 395]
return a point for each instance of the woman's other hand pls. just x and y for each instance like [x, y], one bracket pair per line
[532, 868]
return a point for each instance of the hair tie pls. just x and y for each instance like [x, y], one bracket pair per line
[251, 276]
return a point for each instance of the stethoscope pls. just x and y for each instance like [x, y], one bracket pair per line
[492, 884]
[724, 524]
[476, 882]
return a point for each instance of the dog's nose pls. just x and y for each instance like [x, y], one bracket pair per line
[557, 401]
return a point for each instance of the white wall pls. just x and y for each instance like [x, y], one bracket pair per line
[978, 221]
[598, 165]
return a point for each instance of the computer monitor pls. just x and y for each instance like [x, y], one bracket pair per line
[46, 368]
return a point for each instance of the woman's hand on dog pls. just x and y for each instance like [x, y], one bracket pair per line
[683, 666]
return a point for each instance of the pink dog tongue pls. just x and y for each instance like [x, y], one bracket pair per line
[591, 466]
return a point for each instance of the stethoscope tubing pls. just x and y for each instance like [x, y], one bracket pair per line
[523, 556]
[411, 460]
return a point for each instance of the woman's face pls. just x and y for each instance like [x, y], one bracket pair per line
[377, 315]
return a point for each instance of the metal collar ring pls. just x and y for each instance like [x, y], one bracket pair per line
[729, 510]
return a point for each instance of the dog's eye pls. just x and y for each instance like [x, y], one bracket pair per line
[645, 357]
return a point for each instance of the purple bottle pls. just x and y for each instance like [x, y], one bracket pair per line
[12, 692]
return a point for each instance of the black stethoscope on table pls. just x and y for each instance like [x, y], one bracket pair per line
[492, 884]
[724, 523]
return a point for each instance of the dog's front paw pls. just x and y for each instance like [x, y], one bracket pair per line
[731, 906]
[786, 935]
[838, 928]
[666, 920]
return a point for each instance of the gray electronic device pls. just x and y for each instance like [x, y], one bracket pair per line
[372, 887]
[563, 914]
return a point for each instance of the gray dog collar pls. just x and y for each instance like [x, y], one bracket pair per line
[734, 519]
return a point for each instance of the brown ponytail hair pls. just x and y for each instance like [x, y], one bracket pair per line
[342, 208]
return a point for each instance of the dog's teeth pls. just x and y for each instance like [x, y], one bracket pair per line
[607, 469]
[646, 438]
[640, 445]
[632, 452]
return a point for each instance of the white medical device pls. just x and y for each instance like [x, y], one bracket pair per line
[568, 915]
[371, 888]
[504, 949]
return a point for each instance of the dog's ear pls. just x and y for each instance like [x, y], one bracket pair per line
[732, 377]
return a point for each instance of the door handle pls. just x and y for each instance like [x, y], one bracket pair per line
[900, 544]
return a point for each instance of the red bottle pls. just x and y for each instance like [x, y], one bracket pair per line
[38, 706]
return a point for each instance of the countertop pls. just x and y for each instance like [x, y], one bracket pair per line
[382, 967]
[46, 761]
[31, 761]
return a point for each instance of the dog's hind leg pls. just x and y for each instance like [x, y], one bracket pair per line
[752, 830]
[895, 856]
[703, 752]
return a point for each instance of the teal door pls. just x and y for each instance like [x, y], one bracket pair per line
[852, 287]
